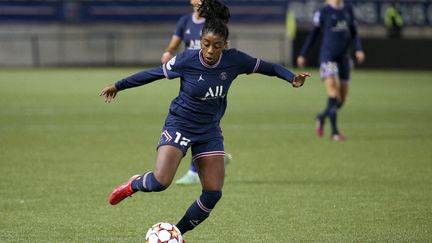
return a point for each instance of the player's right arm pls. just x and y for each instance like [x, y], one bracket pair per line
[169, 70]
[310, 40]
[176, 40]
[170, 50]
[138, 79]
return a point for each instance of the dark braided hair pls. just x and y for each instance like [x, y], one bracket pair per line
[217, 16]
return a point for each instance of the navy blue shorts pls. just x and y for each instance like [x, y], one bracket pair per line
[202, 145]
[340, 69]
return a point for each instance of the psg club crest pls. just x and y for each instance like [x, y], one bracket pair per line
[223, 75]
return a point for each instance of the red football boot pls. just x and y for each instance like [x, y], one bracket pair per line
[319, 128]
[122, 191]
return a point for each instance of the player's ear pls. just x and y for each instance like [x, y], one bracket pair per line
[226, 44]
[201, 42]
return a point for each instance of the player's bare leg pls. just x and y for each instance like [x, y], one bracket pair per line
[167, 161]
[192, 177]
[332, 84]
[344, 88]
[212, 172]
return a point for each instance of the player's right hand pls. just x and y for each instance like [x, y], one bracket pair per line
[109, 92]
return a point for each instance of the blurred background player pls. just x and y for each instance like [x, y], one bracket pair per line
[195, 114]
[393, 21]
[188, 30]
[336, 22]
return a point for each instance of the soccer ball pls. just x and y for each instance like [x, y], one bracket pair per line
[163, 233]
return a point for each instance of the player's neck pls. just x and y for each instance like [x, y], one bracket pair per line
[335, 4]
[197, 17]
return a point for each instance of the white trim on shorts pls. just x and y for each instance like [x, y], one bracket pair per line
[206, 154]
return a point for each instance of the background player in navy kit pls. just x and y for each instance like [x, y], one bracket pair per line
[194, 116]
[336, 21]
[188, 30]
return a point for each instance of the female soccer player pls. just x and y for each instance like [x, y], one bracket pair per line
[337, 23]
[194, 116]
[188, 30]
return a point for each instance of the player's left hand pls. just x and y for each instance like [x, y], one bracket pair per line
[109, 92]
[299, 79]
[166, 56]
[360, 56]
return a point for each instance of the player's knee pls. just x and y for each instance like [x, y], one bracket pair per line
[210, 198]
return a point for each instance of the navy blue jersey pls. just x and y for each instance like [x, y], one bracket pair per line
[202, 99]
[339, 32]
[188, 29]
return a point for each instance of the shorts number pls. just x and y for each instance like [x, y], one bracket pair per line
[184, 141]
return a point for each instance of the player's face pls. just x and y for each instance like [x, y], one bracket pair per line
[211, 47]
[195, 3]
[335, 2]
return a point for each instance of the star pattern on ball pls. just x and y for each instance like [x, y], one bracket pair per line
[174, 234]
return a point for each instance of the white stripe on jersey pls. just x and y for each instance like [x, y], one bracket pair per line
[316, 18]
[164, 70]
[257, 65]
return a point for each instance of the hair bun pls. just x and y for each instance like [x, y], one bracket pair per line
[214, 9]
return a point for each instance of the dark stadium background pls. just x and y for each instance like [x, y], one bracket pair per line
[39, 24]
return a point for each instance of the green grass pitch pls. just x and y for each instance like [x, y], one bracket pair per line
[62, 151]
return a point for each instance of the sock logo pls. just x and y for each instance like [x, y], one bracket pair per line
[194, 222]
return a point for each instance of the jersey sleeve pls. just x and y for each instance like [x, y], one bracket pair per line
[168, 70]
[247, 64]
[313, 36]
[271, 69]
[318, 18]
[353, 30]
[141, 78]
[174, 67]
[180, 26]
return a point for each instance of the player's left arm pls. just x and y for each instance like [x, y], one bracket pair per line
[272, 69]
[359, 53]
[249, 64]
